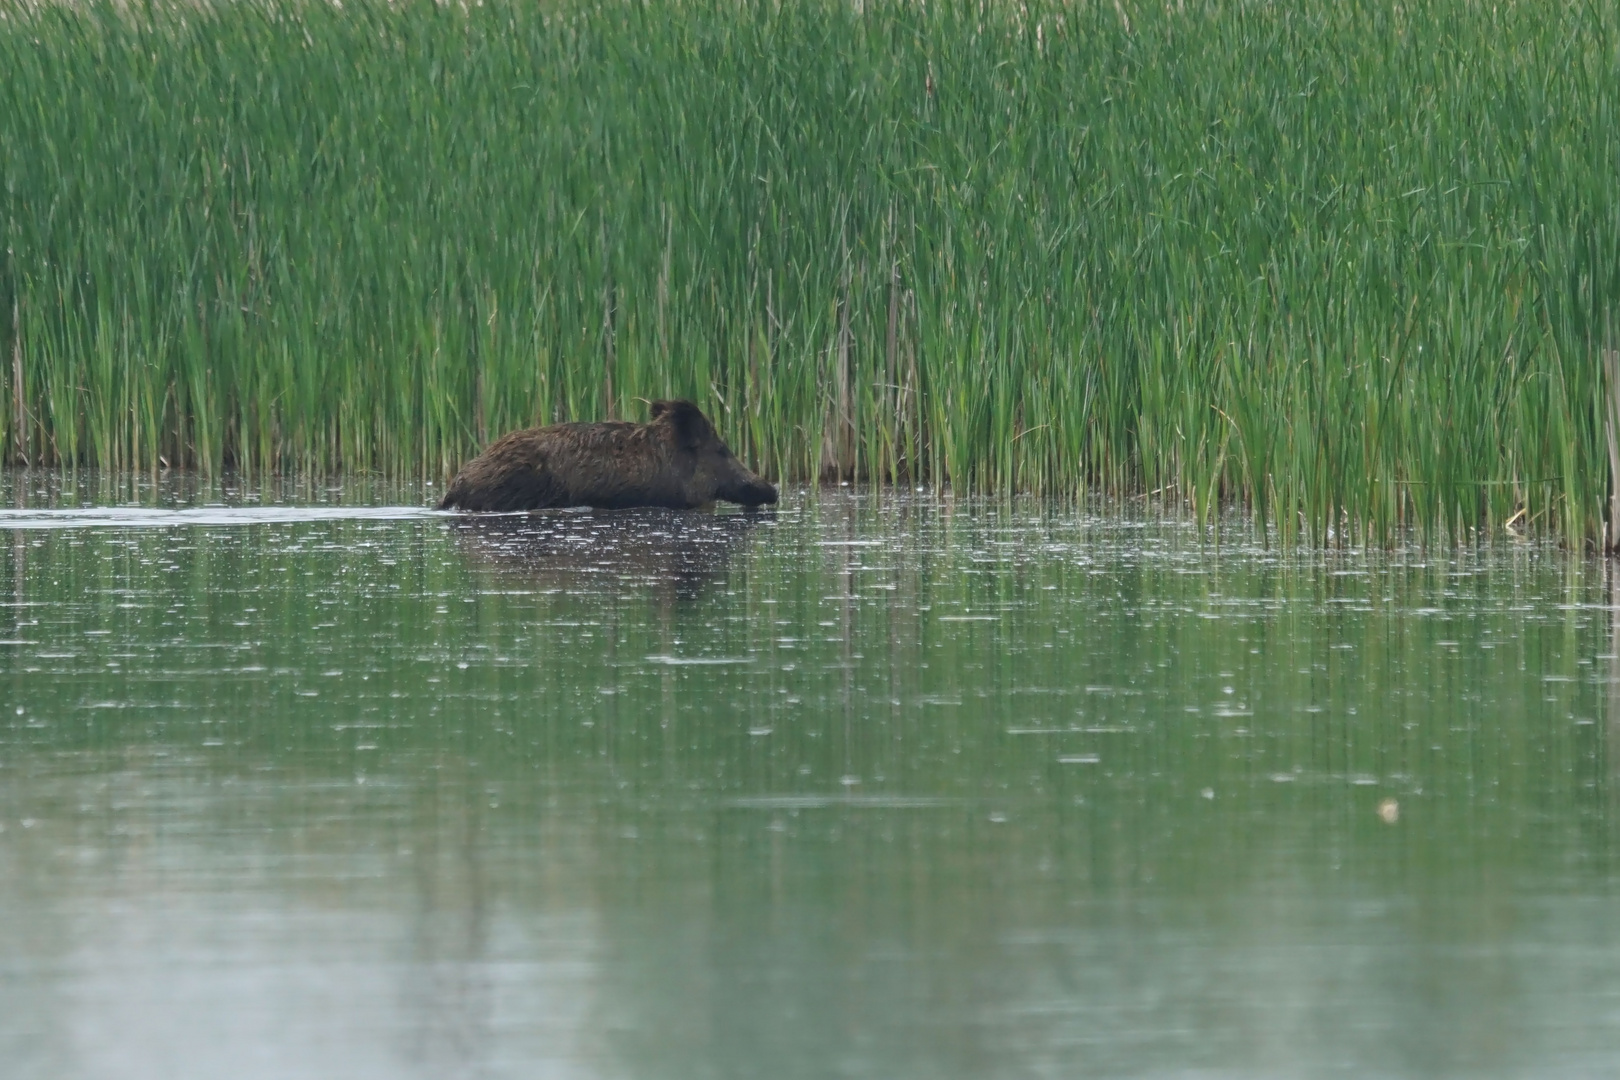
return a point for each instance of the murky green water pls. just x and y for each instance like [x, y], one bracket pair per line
[864, 789]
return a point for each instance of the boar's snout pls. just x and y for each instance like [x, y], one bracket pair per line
[742, 486]
[750, 491]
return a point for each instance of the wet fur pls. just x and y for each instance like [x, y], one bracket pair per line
[675, 460]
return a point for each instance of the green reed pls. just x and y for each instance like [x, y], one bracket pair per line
[1351, 265]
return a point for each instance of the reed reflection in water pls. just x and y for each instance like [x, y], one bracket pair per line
[874, 787]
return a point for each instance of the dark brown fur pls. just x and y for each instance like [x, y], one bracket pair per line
[675, 460]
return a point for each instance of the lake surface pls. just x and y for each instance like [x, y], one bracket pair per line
[301, 785]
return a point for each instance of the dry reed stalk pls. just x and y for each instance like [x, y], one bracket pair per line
[1611, 429]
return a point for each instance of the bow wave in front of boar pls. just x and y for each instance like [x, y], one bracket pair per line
[675, 460]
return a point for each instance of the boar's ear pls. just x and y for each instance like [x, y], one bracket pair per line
[690, 425]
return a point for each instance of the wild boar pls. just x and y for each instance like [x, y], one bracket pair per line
[675, 460]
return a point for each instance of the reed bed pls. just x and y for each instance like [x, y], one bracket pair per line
[1354, 265]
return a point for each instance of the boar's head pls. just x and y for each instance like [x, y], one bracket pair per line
[715, 471]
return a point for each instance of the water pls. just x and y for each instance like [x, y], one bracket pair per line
[866, 788]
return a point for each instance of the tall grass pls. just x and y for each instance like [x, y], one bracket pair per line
[1353, 264]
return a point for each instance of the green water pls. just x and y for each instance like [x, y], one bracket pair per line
[866, 788]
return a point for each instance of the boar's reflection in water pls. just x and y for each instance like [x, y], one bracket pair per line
[670, 553]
